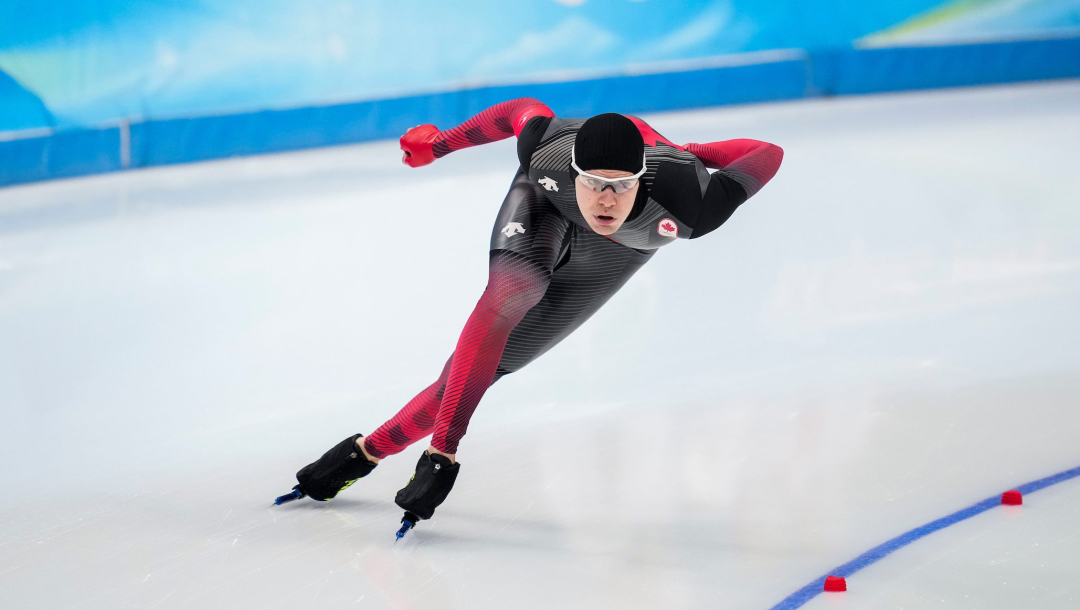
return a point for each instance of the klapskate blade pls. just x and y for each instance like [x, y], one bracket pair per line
[295, 494]
[407, 523]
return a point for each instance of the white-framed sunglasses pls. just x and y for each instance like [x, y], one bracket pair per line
[599, 183]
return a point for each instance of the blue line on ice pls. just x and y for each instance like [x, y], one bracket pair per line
[811, 590]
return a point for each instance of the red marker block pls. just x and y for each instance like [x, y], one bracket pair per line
[835, 583]
[1012, 498]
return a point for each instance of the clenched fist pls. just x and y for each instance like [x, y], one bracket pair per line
[417, 143]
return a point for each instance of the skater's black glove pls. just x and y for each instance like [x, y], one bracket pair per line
[334, 471]
[429, 485]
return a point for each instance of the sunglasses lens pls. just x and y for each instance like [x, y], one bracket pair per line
[598, 185]
[593, 183]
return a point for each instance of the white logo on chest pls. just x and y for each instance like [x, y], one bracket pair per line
[667, 228]
[512, 229]
[549, 184]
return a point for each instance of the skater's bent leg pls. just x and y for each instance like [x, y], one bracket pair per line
[412, 423]
[520, 265]
[594, 271]
[516, 283]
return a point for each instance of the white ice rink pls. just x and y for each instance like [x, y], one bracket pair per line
[889, 332]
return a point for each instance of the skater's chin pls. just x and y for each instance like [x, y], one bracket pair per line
[605, 225]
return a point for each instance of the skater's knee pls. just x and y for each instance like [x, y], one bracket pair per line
[516, 283]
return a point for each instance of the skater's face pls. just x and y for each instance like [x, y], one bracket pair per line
[606, 210]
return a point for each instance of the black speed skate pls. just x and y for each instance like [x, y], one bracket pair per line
[331, 474]
[427, 489]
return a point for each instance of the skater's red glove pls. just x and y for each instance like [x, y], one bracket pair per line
[417, 143]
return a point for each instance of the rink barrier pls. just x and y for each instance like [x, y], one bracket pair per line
[45, 154]
[816, 586]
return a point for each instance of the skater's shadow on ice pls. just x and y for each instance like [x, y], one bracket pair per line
[349, 504]
[462, 528]
[495, 522]
[493, 538]
[647, 545]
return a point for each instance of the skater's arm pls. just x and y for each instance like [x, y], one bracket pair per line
[743, 167]
[749, 162]
[425, 143]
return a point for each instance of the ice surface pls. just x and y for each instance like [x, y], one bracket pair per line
[885, 334]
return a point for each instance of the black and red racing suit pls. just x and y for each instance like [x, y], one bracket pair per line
[548, 271]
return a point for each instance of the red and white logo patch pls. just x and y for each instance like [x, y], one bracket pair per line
[667, 228]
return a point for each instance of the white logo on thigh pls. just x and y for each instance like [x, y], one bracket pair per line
[512, 229]
[549, 184]
[667, 228]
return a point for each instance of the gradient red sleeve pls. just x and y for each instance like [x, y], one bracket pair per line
[496, 123]
[749, 162]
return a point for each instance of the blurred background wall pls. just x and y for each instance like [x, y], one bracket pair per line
[102, 85]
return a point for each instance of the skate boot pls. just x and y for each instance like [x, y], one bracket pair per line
[427, 489]
[334, 472]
